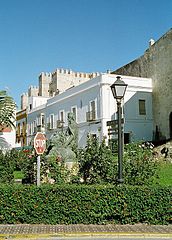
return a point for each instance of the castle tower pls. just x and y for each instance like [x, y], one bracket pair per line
[24, 101]
[44, 81]
[62, 79]
[33, 91]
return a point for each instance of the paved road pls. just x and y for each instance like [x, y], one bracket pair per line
[101, 238]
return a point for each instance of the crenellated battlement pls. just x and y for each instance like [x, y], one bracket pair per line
[33, 91]
[45, 74]
[33, 87]
[53, 83]
[74, 74]
[24, 94]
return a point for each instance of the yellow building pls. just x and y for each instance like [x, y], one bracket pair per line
[21, 134]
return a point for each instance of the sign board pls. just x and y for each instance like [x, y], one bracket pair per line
[40, 143]
[112, 133]
[114, 122]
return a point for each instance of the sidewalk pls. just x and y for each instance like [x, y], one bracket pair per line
[30, 231]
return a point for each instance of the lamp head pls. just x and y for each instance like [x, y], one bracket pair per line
[118, 88]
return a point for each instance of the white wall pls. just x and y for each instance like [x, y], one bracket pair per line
[139, 126]
[98, 89]
[36, 101]
[9, 137]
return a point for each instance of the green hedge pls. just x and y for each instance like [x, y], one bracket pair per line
[74, 204]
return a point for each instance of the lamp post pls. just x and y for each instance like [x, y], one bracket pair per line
[118, 91]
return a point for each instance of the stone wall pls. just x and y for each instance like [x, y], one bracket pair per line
[62, 79]
[156, 63]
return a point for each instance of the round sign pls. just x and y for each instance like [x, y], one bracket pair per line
[40, 143]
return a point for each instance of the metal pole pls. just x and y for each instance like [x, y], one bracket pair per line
[120, 145]
[38, 170]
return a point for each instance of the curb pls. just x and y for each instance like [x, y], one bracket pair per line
[84, 234]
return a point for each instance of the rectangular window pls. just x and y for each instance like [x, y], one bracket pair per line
[42, 120]
[34, 126]
[38, 119]
[73, 110]
[52, 121]
[142, 107]
[62, 116]
[18, 128]
[23, 128]
[30, 129]
[67, 116]
[93, 110]
[93, 106]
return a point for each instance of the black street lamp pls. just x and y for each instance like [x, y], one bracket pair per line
[118, 91]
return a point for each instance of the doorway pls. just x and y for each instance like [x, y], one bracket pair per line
[126, 138]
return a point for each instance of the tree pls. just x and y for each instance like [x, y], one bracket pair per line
[7, 110]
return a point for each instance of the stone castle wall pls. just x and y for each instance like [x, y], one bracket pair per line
[156, 63]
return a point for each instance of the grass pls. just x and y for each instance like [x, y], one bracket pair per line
[18, 175]
[165, 174]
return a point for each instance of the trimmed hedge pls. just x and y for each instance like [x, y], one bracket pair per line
[74, 204]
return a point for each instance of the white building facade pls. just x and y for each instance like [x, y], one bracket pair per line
[7, 138]
[93, 104]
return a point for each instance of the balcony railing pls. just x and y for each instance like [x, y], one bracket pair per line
[91, 116]
[59, 124]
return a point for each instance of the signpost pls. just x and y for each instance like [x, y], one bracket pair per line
[113, 126]
[40, 146]
[114, 123]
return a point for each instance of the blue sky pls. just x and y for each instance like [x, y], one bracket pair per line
[82, 35]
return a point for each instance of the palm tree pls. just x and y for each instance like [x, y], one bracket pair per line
[7, 111]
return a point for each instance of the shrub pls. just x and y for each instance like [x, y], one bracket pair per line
[86, 204]
[25, 160]
[139, 166]
[57, 170]
[16, 160]
[6, 167]
[97, 163]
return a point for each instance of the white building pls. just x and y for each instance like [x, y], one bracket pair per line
[54, 83]
[34, 102]
[7, 138]
[93, 104]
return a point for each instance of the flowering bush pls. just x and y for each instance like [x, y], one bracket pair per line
[139, 166]
[97, 163]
